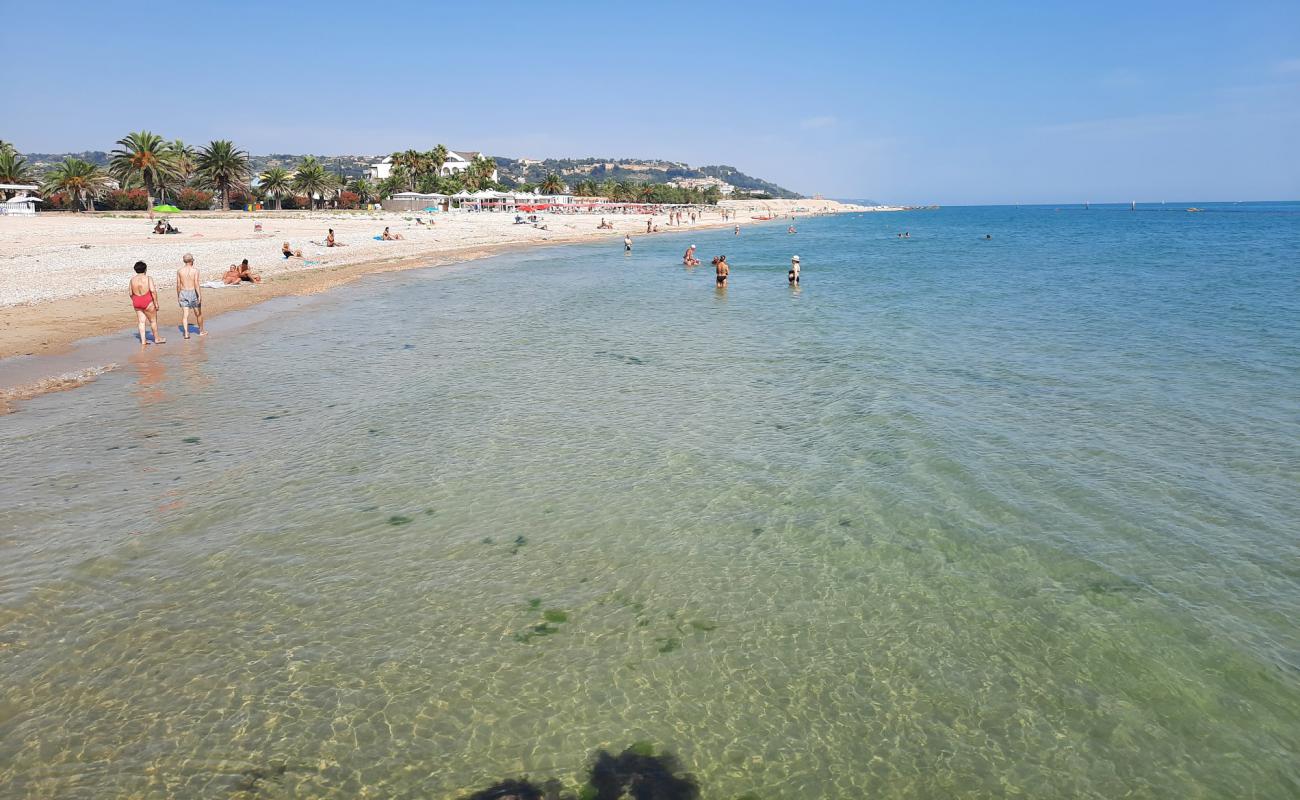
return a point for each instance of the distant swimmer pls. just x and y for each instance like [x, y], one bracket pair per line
[988, 236]
[627, 243]
[790, 229]
[689, 259]
[793, 274]
[723, 270]
[737, 230]
[144, 299]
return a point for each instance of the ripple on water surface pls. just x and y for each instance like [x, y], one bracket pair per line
[958, 518]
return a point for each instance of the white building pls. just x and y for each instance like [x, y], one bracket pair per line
[703, 183]
[23, 204]
[457, 161]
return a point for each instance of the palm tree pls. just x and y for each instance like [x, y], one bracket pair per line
[224, 167]
[390, 186]
[312, 179]
[485, 167]
[552, 184]
[13, 167]
[403, 177]
[145, 156]
[438, 157]
[415, 162]
[79, 180]
[276, 182]
[363, 189]
[184, 158]
[426, 184]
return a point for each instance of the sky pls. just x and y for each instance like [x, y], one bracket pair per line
[948, 103]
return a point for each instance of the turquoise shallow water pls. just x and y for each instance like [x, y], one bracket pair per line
[960, 518]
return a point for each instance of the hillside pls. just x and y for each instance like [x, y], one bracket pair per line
[573, 170]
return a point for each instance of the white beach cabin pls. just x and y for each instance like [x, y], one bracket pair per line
[23, 205]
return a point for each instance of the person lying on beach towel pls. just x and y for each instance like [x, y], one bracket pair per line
[390, 237]
[289, 253]
[330, 242]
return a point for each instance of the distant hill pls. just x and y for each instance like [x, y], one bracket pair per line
[512, 171]
[573, 170]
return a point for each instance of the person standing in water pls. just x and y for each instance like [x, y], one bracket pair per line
[723, 270]
[144, 299]
[689, 259]
[737, 231]
[187, 295]
[627, 243]
[793, 275]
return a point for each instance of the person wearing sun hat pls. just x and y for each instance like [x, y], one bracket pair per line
[793, 275]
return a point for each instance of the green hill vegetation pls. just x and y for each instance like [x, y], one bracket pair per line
[147, 168]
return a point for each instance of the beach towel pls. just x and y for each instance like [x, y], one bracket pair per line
[220, 285]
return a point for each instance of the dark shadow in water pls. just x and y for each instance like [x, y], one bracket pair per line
[635, 773]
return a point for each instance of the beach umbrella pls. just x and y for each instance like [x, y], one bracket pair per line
[167, 209]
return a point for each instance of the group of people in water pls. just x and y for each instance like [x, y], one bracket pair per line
[721, 268]
[143, 292]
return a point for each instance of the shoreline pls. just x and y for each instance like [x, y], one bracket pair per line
[36, 334]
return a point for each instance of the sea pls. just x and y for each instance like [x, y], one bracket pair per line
[1008, 505]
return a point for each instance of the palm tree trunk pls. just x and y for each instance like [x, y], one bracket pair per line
[277, 202]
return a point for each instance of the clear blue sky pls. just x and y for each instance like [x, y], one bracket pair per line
[907, 102]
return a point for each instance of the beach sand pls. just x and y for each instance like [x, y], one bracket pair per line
[63, 276]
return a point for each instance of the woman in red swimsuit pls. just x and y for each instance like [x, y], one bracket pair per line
[144, 299]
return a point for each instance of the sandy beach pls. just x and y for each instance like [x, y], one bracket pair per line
[63, 276]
